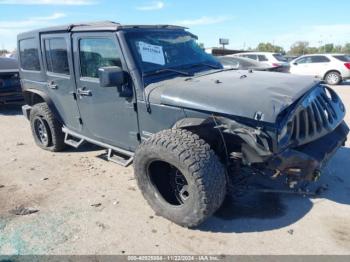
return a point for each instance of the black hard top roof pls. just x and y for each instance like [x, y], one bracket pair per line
[98, 26]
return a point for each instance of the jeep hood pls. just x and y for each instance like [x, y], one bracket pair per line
[238, 93]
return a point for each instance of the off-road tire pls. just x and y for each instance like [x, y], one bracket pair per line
[55, 141]
[198, 163]
[330, 78]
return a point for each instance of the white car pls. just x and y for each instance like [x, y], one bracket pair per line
[271, 59]
[332, 68]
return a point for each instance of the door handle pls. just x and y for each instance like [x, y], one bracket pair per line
[52, 85]
[83, 92]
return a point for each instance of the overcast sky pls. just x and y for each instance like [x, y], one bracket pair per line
[245, 23]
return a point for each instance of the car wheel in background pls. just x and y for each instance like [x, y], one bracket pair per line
[333, 78]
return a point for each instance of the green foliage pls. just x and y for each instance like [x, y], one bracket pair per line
[302, 48]
[268, 47]
[346, 48]
[3, 52]
[299, 48]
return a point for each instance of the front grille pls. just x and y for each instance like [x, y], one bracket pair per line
[318, 113]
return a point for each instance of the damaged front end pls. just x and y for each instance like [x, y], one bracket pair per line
[305, 136]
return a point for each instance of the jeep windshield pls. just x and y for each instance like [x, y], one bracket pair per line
[176, 52]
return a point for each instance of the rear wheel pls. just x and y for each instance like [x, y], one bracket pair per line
[46, 130]
[180, 176]
[333, 78]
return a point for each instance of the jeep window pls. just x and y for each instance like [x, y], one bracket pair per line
[29, 55]
[160, 50]
[56, 56]
[319, 59]
[96, 53]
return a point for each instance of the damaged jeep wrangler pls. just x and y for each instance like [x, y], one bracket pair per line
[150, 95]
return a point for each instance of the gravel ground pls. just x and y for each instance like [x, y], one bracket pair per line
[86, 205]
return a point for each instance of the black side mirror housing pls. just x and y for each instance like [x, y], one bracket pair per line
[111, 76]
[295, 63]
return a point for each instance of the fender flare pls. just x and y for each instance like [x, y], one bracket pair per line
[253, 151]
[189, 122]
[47, 100]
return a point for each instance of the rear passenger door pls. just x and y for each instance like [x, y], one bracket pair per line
[263, 59]
[107, 116]
[61, 87]
[319, 65]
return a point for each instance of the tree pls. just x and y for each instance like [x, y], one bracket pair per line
[268, 47]
[327, 48]
[3, 52]
[346, 48]
[312, 50]
[299, 48]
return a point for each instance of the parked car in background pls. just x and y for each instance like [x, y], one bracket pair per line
[290, 58]
[332, 68]
[242, 63]
[271, 59]
[10, 86]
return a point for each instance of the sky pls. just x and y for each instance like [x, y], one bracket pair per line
[245, 23]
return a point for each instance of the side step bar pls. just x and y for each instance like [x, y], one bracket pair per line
[118, 158]
[73, 141]
[114, 154]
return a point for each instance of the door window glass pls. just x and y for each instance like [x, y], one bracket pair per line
[96, 53]
[29, 55]
[262, 58]
[319, 59]
[254, 57]
[304, 60]
[56, 56]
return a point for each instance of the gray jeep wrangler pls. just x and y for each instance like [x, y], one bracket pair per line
[150, 95]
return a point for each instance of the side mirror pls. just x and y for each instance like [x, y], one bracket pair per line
[111, 76]
[295, 63]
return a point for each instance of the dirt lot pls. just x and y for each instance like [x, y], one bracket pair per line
[90, 206]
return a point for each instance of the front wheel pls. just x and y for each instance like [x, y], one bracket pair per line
[180, 176]
[333, 78]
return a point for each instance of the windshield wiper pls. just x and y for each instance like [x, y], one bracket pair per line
[167, 70]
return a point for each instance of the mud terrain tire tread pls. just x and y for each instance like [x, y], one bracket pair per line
[55, 128]
[200, 162]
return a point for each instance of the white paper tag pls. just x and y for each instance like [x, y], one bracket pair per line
[152, 53]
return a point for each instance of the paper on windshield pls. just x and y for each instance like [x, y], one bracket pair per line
[152, 53]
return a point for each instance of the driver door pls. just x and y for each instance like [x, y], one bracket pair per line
[106, 115]
[301, 66]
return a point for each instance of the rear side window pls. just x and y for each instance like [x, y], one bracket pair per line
[280, 58]
[29, 55]
[96, 53]
[343, 58]
[319, 59]
[56, 56]
[262, 58]
[254, 57]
